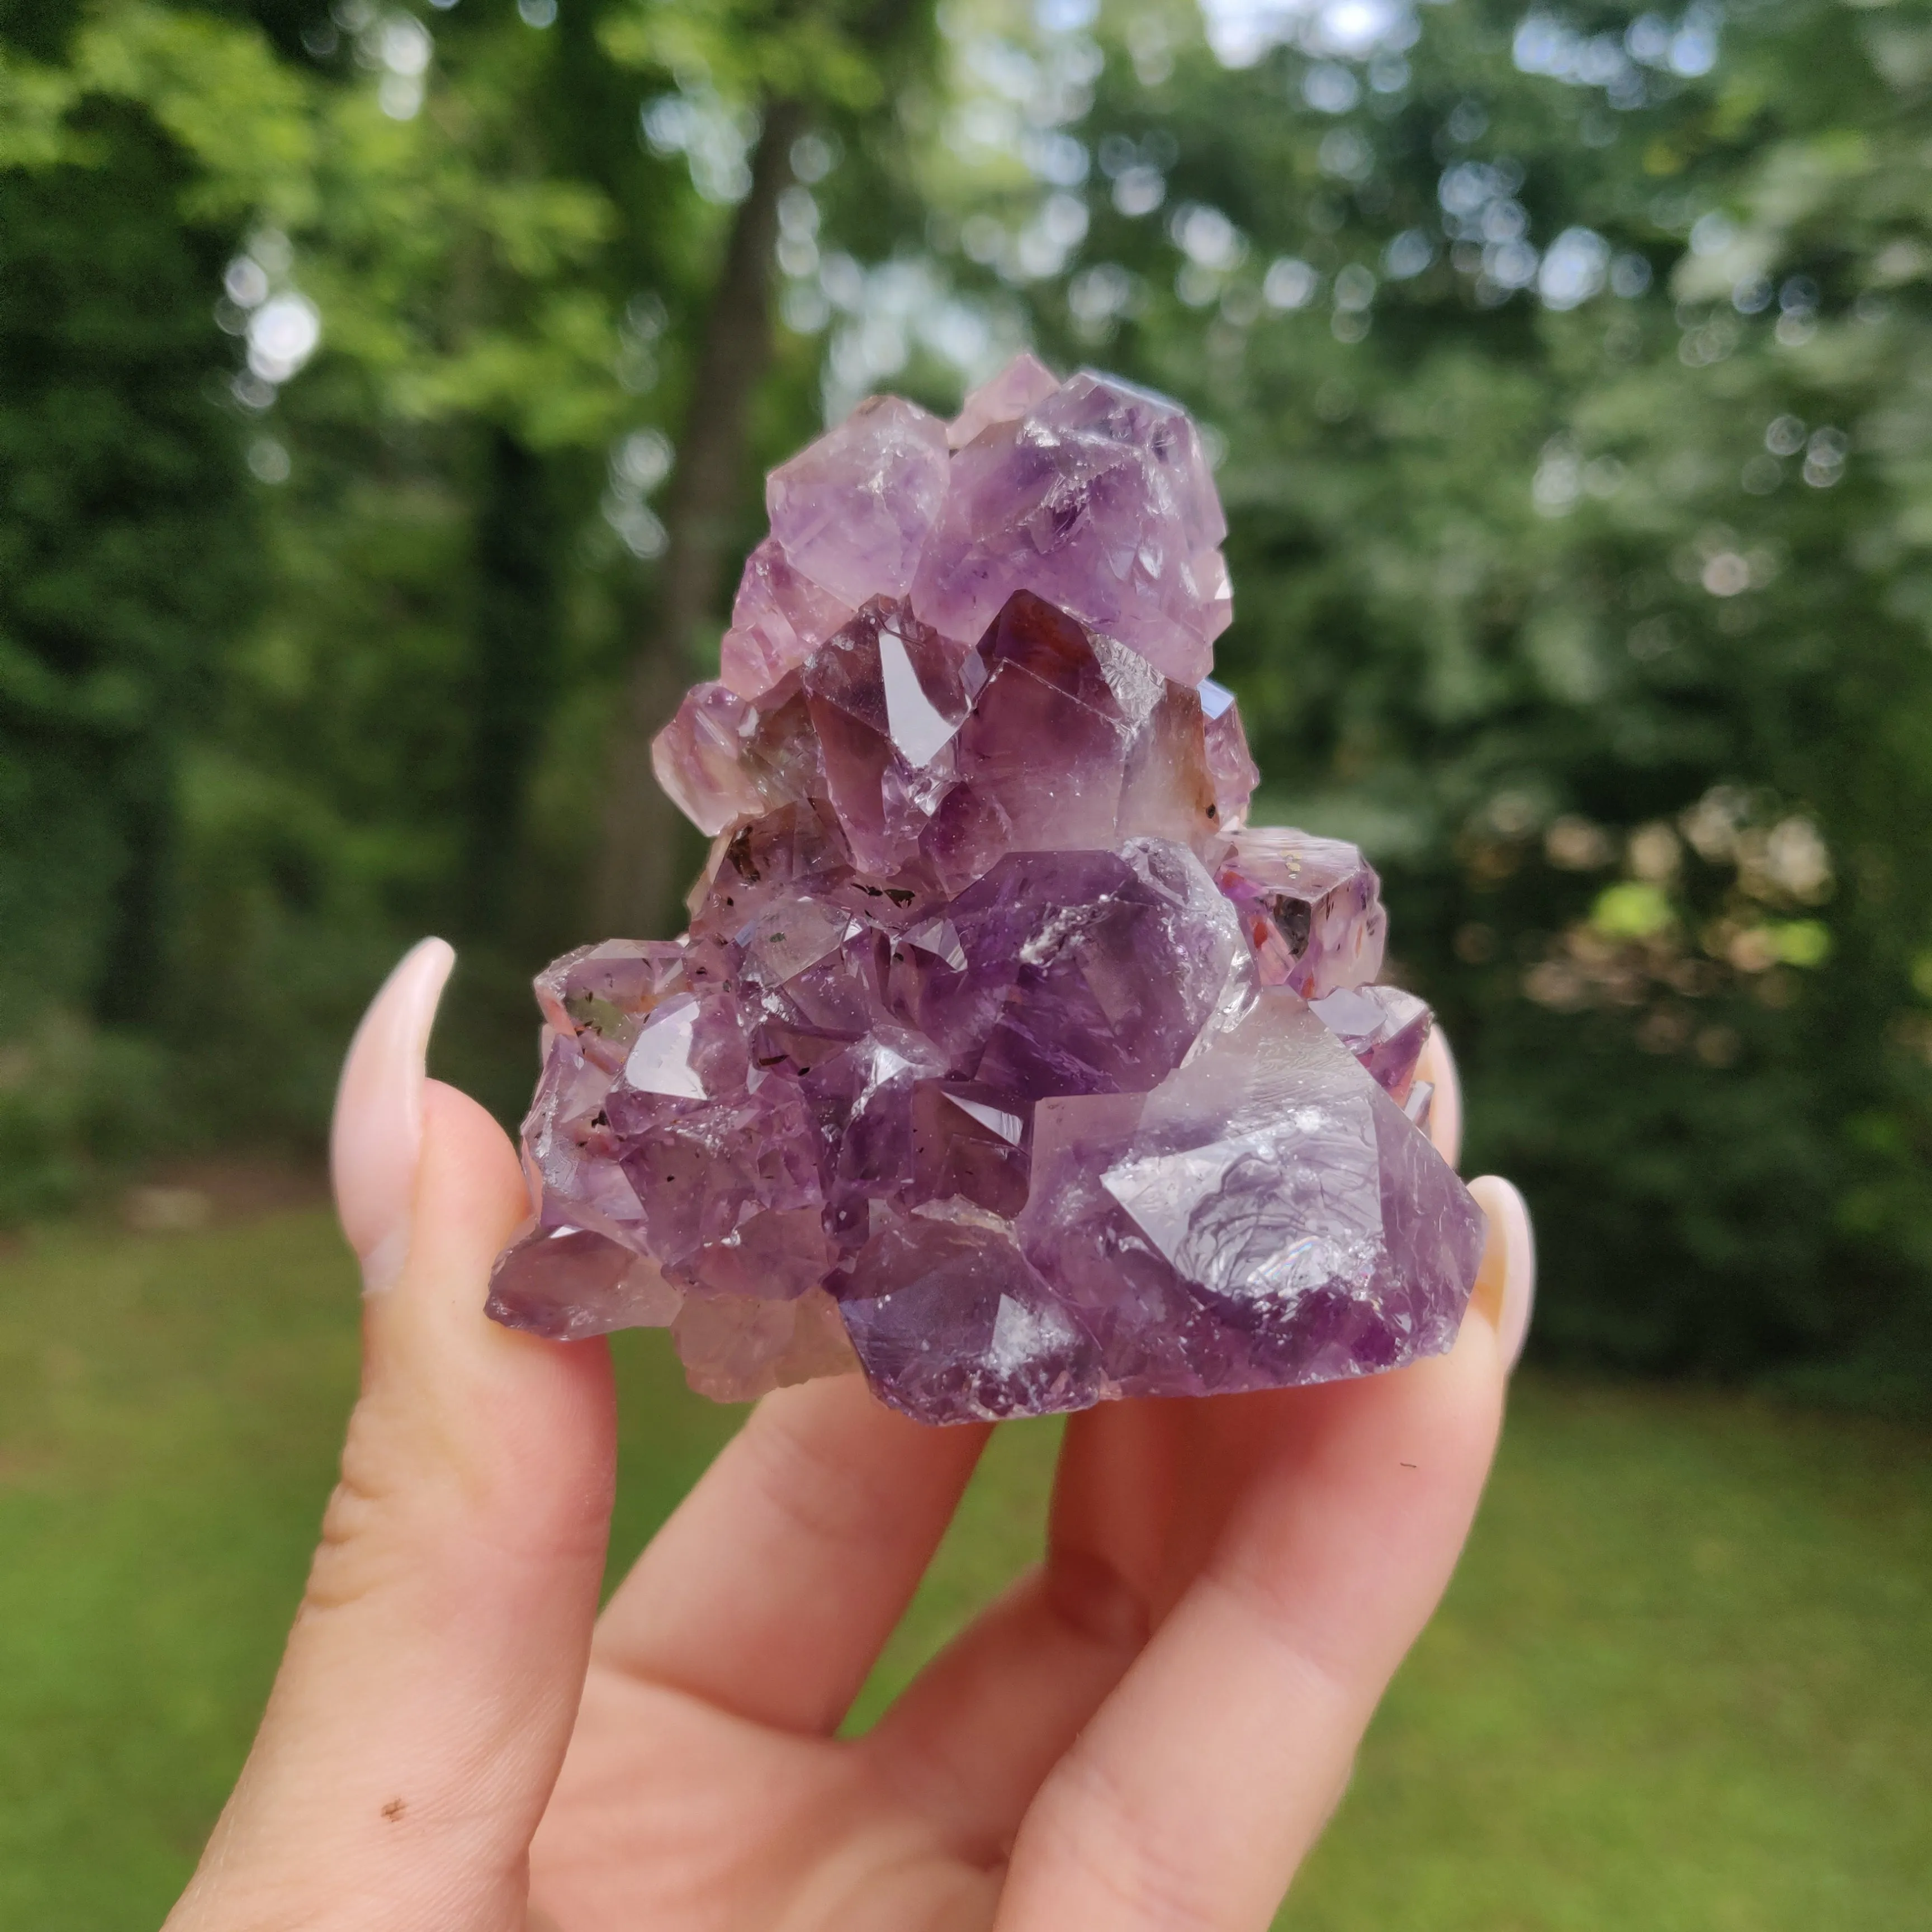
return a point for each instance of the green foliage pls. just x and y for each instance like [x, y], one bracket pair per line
[1569, 370]
[750, 50]
[72, 1095]
[1596, 617]
[118, 473]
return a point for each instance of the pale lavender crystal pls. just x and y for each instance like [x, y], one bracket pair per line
[1230, 768]
[779, 617]
[1000, 1059]
[1099, 499]
[1006, 397]
[701, 758]
[723, 758]
[1385, 1029]
[602, 994]
[572, 1282]
[852, 512]
[1311, 907]
[734, 1349]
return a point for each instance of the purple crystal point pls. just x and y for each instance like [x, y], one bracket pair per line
[1024, 382]
[565, 1283]
[779, 618]
[1099, 499]
[1271, 1183]
[886, 697]
[701, 758]
[1085, 972]
[1385, 1029]
[1230, 768]
[952, 1324]
[1077, 741]
[1001, 1060]
[1311, 907]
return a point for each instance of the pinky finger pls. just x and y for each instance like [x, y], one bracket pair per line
[1192, 1795]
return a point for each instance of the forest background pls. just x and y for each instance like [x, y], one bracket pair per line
[384, 397]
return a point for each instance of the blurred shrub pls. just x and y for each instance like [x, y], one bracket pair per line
[75, 1100]
[1566, 365]
[1567, 370]
[127, 556]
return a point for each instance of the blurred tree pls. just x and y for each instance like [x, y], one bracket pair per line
[355, 769]
[1575, 568]
[1568, 368]
[637, 874]
[115, 470]
[772, 70]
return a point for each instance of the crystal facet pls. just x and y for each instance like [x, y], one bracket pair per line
[1312, 908]
[1005, 397]
[1001, 1060]
[1099, 499]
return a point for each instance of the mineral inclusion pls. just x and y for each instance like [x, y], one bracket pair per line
[1001, 1060]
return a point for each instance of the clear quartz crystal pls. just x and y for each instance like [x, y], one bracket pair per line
[1002, 1060]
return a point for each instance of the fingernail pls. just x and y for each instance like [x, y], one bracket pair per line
[1505, 1291]
[376, 1138]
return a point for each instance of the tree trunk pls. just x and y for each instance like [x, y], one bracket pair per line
[514, 670]
[637, 882]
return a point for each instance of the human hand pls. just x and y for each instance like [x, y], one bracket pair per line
[1149, 1732]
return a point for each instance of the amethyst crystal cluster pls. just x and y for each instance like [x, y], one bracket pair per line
[1000, 1059]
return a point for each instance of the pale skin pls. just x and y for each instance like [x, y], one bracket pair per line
[1148, 1731]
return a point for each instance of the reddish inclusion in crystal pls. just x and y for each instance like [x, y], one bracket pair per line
[1001, 1060]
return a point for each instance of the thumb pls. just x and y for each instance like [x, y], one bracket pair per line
[431, 1680]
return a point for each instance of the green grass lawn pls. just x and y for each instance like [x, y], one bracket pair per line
[1683, 1680]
